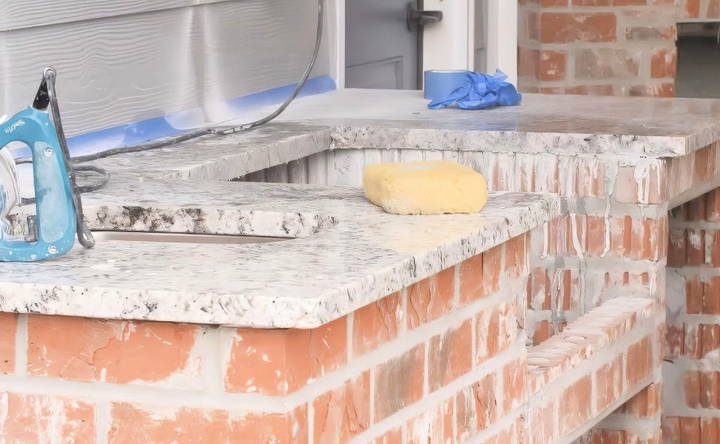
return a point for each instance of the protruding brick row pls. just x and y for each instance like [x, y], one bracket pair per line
[587, 336]
[605, 366]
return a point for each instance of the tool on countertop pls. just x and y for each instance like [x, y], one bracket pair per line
[59, 215]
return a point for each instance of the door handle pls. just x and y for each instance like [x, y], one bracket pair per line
[418, 18]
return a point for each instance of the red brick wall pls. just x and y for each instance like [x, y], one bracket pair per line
[599, 47]
[693, 337]
[443, 358]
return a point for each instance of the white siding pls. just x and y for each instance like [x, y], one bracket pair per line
[124, 61]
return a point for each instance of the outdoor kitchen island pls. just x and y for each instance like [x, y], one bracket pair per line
[357, 323]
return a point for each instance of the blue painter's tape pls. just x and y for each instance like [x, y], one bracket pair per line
[441, 83]
[159, 127]
[316, 85]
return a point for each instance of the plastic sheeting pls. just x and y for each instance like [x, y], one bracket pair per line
[480, 91]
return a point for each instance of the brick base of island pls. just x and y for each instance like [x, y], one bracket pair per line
[444, 359]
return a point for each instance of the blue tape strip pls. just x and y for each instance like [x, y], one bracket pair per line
[439, 84]
[158, 127]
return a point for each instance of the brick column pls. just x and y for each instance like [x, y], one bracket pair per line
[600, 47]
[444, 358]
[692, 367]
[612, 241]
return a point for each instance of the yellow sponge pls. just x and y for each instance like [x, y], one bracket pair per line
[428, 187]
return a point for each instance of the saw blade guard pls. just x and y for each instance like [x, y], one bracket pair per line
[54, 224]
[9, 188]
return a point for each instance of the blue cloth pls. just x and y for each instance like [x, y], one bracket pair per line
[481, 91]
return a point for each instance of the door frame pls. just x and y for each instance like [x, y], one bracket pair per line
[501, 35]
[457, 30]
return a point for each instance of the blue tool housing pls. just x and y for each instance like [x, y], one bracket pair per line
[55, 219]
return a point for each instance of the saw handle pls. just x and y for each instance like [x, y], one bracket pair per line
[55, 219]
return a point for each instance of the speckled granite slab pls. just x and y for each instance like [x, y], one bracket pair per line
[565, 124]
[630, 127]
[543, 123]
[342, 253]
[227, 157]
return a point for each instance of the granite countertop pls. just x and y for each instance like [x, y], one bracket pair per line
[647, 126]
[342, 252]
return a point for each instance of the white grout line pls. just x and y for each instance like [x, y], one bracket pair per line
[102, 419]
[208, 350]
[310, 423]
[456, 285]
[372, 396]
[426, 366]
[21, 345]
[349, 334]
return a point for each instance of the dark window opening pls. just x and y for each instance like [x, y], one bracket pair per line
[698, 70]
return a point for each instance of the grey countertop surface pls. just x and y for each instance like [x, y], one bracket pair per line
[653, 127]
[341, 252]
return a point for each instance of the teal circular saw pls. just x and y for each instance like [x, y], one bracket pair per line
[58, 218]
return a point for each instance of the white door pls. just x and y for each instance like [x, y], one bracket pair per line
[380, 50]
